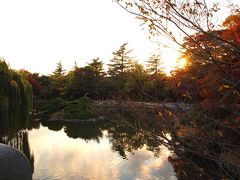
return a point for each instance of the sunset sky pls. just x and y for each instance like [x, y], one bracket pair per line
[35, 35]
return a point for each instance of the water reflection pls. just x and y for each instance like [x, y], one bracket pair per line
[87, 132]
[86, 155]
[123, 139]
[19, 139]
[116, 152]
[91, 151]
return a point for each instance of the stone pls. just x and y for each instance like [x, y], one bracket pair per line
[13, 164]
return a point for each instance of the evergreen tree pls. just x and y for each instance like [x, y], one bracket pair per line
[58, 81]
[75, 66]
[97, 66]
[138, 82]
[120, 62]
[84, 83]
[157, 77]
[59, 71]
[154, 64]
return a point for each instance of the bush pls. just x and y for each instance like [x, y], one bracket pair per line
[79, 109]
[54, 105]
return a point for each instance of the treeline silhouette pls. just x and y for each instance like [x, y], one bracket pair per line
[125, 78]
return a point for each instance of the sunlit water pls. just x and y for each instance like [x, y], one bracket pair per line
[57, 156]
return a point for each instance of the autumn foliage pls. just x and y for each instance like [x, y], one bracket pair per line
[214, 66]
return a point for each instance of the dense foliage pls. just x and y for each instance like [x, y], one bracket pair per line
[210, 130]
[125, 78]
[15, 96]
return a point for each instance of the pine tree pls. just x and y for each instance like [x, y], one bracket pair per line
[157, 76]
[58, 80]
[154, 65]
[75, 67]
[97, 66]
[59, 71]
[120, 62]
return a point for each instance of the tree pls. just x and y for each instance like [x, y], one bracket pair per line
[46, 87]
[59, 71]
[214, 75]
[120, 65]
[120, 62]
[157, 77]
[232, 23]
[173, 19]
[137, 82]
[97, 66]
[213, 124]
[75, 66]
[84, 83]
[58, 81]
[15, 96]
[154, 65]
[33, 79]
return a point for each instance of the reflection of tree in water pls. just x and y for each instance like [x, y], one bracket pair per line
[14, 133]
[19, 140]
[125, 140]
[87, 132]
[189, 166]
[84, 131]
[53, 125]
[33, 124]
[186, 165]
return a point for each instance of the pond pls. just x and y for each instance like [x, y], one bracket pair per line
[90, 151]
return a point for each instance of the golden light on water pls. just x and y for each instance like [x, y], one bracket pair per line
[172, 61]
[57, 156]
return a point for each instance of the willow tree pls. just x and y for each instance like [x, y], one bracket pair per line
[15, 97]
[192, 25]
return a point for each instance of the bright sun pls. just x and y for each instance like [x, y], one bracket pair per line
[172, 61]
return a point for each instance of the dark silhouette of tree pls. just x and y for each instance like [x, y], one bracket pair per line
[138, 82]
[59, 71]
[120, 62]
[97, 66]
[154, 65]
[58, 81]
[16, 97]
[75, 66]
[118, 68]
[157, 76]
[84, 83]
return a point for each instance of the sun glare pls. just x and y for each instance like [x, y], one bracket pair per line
[172, 61]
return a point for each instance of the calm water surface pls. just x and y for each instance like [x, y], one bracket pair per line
[90, 152]
[100, 151]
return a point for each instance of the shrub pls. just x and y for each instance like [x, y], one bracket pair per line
[54, 105]
[79, 109]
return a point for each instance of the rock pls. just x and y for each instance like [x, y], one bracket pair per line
[13, 164]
